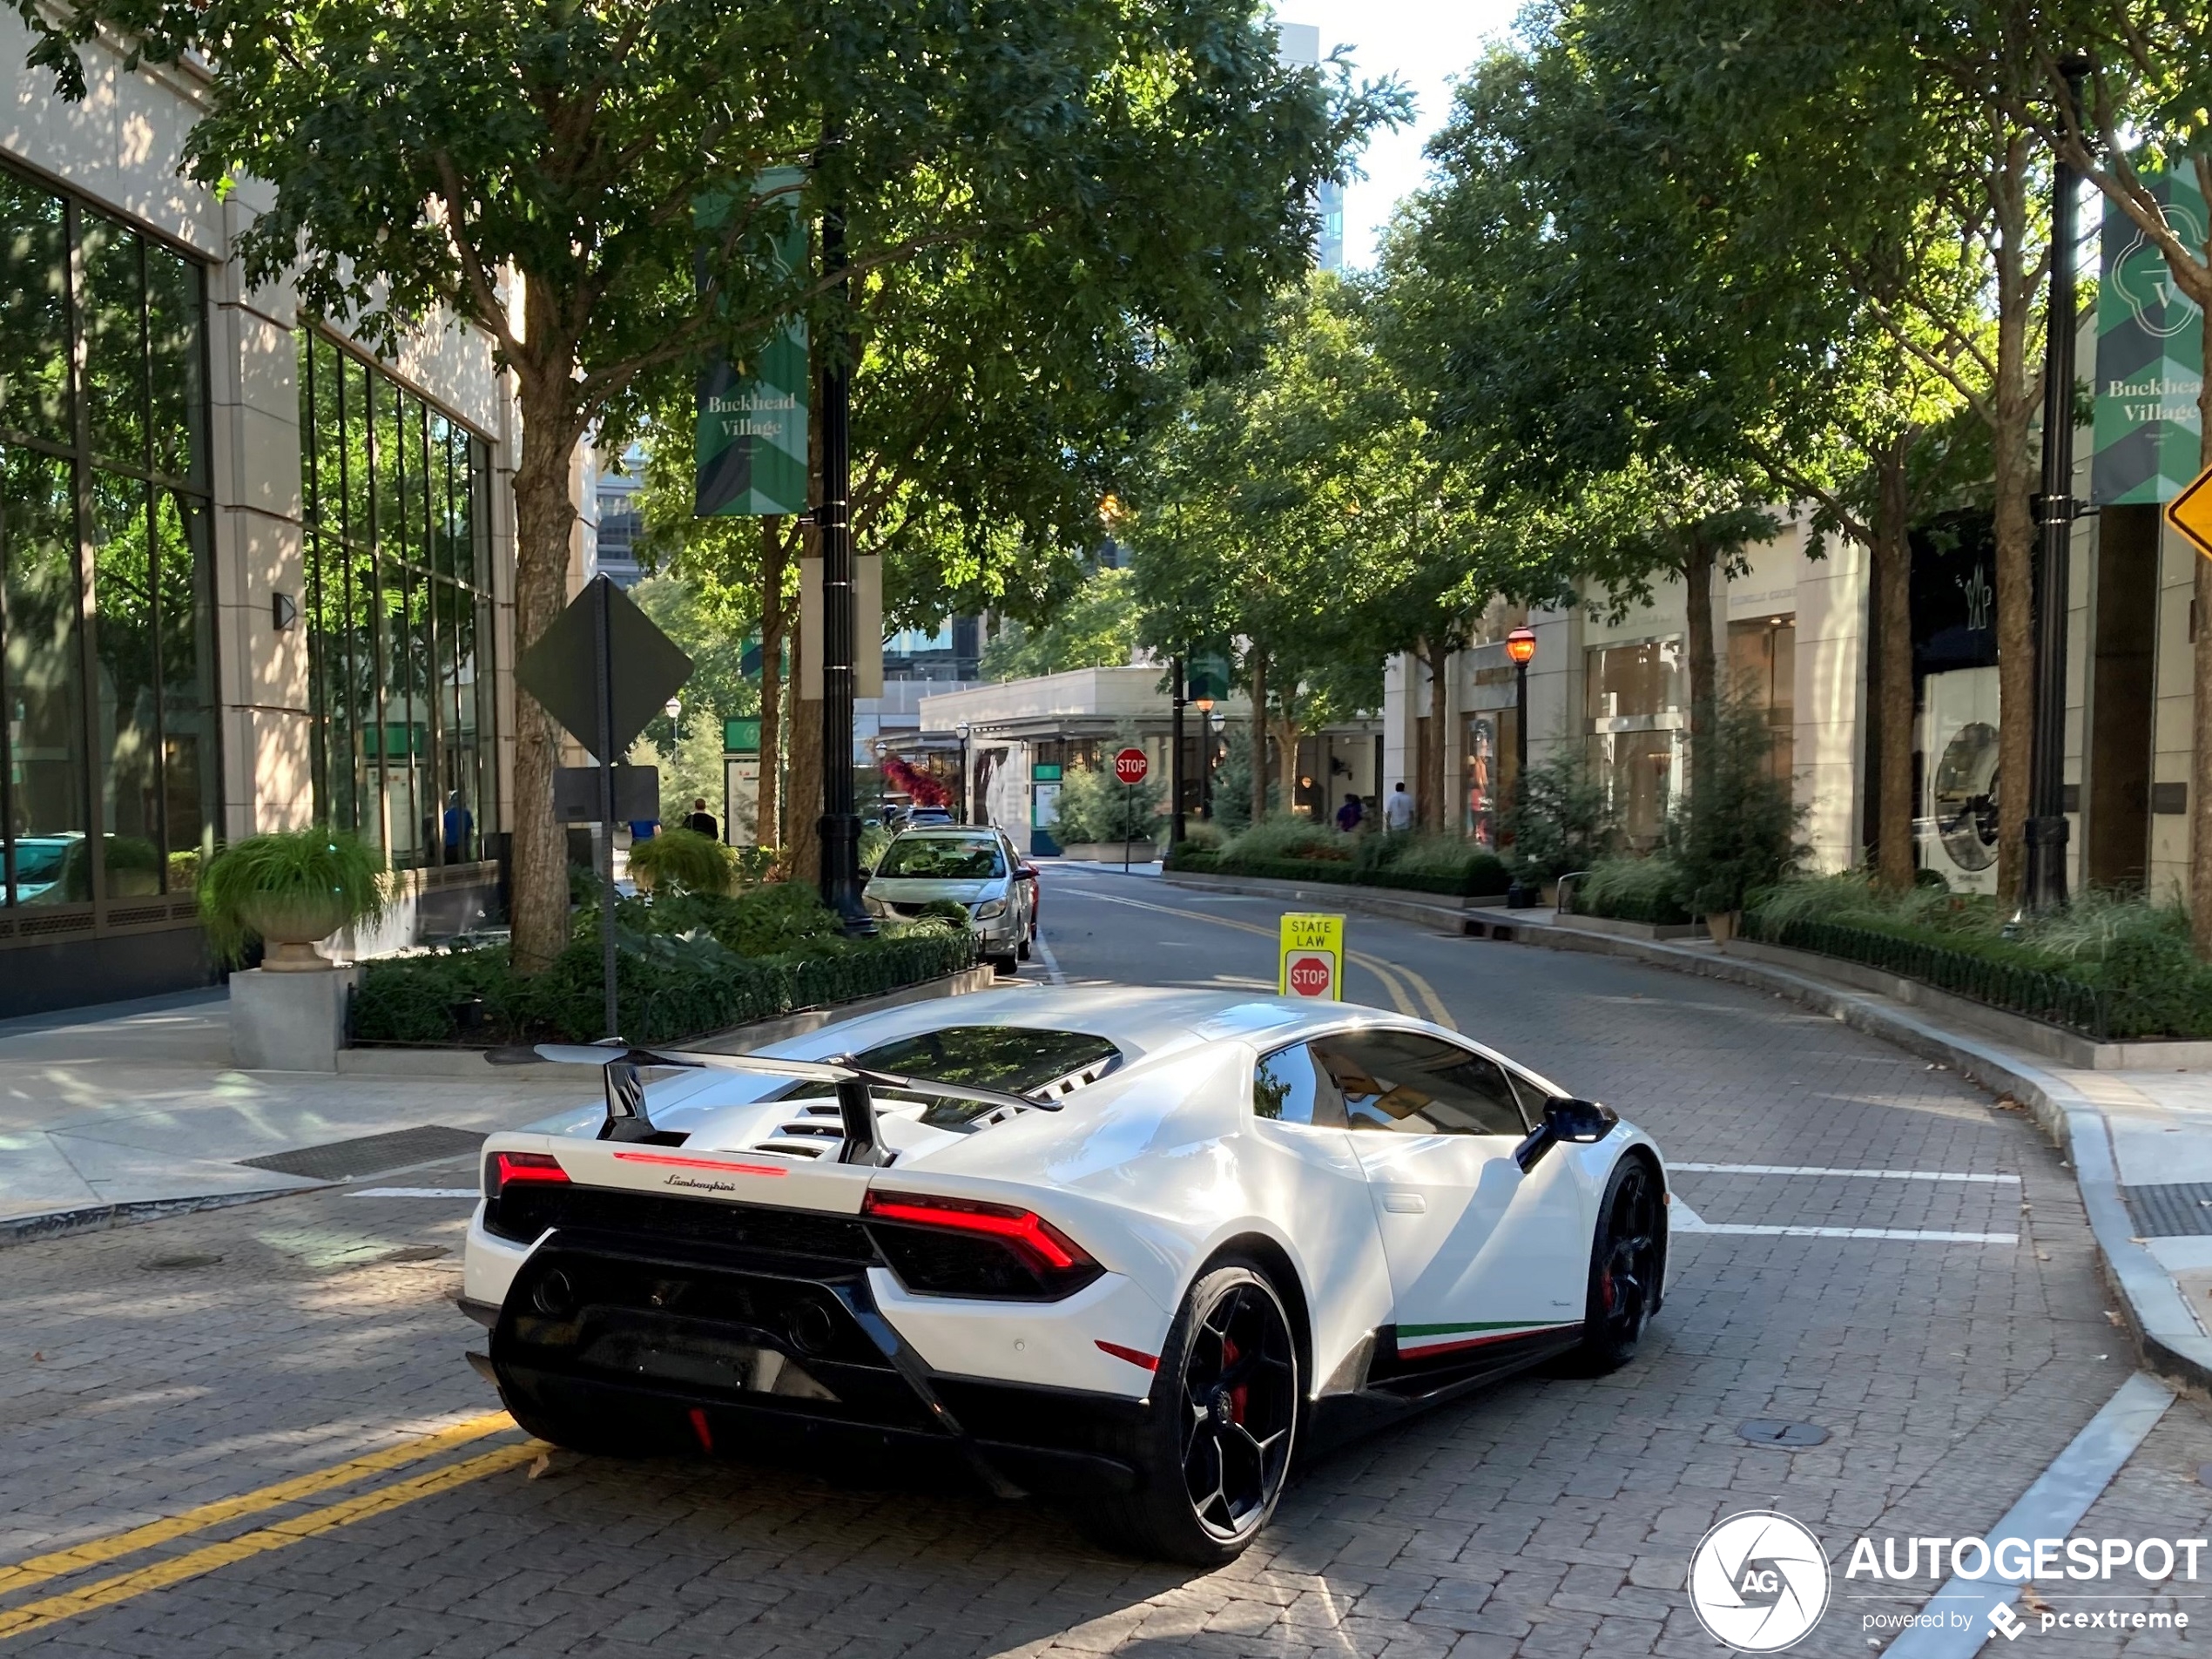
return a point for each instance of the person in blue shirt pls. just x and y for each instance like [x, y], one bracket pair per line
[460, 828]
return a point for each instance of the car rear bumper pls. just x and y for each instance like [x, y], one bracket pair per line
[713, 1352]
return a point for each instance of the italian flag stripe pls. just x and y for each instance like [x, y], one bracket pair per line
[1422, 1340]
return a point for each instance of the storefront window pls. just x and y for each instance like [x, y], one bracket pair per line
[108, 772]
[399, 609]
[1763, 668]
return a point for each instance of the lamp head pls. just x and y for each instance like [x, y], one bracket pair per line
[1521, 645]
[1203, 705]
[674, 707]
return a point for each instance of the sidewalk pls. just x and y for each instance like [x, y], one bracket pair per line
[2138, 1141]
[113, 1114]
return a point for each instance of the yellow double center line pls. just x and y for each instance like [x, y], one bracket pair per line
[69, 1604]
[1395, 979]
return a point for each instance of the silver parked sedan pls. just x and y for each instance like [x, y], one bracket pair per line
[977, 869]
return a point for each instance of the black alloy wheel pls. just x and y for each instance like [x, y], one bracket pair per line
[1214, 1452]
[1626, 1260]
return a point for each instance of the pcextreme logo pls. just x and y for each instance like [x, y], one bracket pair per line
[1758, 1582]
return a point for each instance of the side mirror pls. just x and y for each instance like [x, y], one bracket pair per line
[1582, 1123]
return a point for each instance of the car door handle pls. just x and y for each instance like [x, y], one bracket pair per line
[1404, 1203]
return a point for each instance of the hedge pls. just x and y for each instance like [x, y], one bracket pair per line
[667, 988]
[2000, 976]
[1486, 877]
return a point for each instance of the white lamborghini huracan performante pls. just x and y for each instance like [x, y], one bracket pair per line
[1144, 1246]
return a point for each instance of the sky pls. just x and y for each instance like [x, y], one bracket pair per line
[1425, 44]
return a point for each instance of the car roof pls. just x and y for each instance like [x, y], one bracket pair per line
[949, 832]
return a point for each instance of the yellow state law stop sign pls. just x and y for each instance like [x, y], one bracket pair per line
[1311, 961]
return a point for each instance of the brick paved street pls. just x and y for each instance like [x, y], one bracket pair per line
[152, 1369]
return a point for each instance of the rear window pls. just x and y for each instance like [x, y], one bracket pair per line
[1013, 1059]
[942, 859]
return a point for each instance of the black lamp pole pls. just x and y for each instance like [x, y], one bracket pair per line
[2044, 886]
[839, 827]
[1175, 762]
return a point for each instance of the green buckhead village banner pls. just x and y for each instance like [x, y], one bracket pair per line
[751, 443]
[2150, 356]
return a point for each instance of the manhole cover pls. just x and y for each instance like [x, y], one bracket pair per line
[183, 1264]
[371, 1153]
[1770, 1431]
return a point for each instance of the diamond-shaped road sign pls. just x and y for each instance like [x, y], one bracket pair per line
[561, 671]
[2190, 512]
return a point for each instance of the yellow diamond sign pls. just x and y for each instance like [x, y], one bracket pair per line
[2190, 512]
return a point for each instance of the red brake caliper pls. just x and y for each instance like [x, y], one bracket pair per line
[1236, 1395]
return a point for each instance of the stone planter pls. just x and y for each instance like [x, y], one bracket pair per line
[1109, 852]
[290, 926]
[1722, 925]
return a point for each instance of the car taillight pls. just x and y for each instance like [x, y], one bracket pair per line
[981, 1249]
[501, 1168]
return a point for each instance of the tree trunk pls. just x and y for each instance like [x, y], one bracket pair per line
[1256, 665]
[774, 561]
[1431, 804]
[1286, 739]
[1704, 674]
[1892, 555]
[2011, 402]
[545, 520]
[803, 807]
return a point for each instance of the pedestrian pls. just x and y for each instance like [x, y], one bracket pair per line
[641, 829]
[1398, 814]
[1349, 814]
[460, 826]
[701, 822]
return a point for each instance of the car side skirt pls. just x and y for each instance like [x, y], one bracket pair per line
[1437, 1366]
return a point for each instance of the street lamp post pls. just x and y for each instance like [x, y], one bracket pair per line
[674, 709]
[839, 825]
[1205, 705]
[1521, 645]
[967, 812]
[2043, 883]
[1175, 762]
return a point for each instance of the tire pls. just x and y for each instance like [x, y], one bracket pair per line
[1021, 950]
[1006, 964]
[1626, 1258]
[1213, 1453]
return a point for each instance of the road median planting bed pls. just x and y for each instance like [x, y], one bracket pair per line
[685, 966]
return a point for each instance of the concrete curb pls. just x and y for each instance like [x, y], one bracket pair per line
[105, 1218]
[2166, 1332]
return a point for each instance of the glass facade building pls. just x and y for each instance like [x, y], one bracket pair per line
[109, 771]
[396, 502]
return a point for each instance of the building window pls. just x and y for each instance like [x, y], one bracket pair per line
[108, 767]
[398, 535]
[1636, 699]
[1763, 669]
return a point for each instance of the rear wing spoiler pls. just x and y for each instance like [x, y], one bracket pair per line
[855, 1086]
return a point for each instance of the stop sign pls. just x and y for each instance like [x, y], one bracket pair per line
[1130, 765]
[1310, 975]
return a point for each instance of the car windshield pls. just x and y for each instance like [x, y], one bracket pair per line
[942, 858]
[1012, 1059]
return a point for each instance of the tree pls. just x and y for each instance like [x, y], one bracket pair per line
[1095, 629]
[1245, 523]
[1697, 257]
[533, 170]
[2148, 87]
